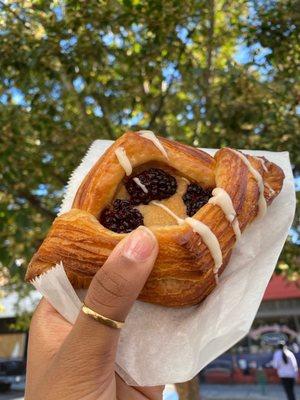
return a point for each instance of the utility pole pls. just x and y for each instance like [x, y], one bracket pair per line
[189, 390]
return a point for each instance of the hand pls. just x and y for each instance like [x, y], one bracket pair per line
[77, 362]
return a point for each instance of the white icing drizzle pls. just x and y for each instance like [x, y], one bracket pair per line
[272, 191]
[263, 163]
[184, 179]
[262, 204]
[216, 278]
[179, 221]
[124, 160]
[150, 136]
[222, 199]
[140, 184]
[210, 239]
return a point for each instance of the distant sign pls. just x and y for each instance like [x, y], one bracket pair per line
[273, 338]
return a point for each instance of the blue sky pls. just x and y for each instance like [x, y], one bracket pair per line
[244, 54]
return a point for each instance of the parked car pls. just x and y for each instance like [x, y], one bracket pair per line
[11, 371]
[218, 371]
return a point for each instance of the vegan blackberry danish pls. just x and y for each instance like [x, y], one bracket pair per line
[196, 205]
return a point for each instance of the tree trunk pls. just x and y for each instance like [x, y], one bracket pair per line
[189, 390]
[209, 67]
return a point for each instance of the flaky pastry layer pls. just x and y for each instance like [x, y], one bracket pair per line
[183, 272]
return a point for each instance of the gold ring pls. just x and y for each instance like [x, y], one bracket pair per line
[100, 318]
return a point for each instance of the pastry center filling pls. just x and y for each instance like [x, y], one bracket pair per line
[138, 196]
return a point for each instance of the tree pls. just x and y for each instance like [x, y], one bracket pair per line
[189, 390]
[209, 73]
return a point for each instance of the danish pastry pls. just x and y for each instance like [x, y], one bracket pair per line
[196, 205]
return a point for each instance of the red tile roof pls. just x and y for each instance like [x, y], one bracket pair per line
[279, 288]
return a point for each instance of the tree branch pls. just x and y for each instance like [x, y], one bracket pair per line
[68, 84]
[59, 178]
[160, 105]
[105, 118]
[132, 107]
[209, 65]
[209, 53]
[165, 94]
[36, 203]
[11, 11]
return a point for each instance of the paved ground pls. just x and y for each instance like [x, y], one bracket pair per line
[14, 395]
[236, 392]
[244, 392]
[210, 392]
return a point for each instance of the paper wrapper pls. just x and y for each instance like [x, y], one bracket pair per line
[160, 345]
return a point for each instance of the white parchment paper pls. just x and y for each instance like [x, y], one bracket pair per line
[162, 345]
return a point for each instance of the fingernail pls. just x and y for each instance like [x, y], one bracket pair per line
[139, 244]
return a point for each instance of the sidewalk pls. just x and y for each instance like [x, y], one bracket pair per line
[235, 392]
[244, 392]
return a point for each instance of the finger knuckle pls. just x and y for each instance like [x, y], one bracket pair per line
[107, 289]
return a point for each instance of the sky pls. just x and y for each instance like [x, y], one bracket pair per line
[244, 54]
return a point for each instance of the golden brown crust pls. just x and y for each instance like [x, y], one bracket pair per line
[182, 274]
[107, 172]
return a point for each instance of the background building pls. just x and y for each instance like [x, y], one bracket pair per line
[278, 318]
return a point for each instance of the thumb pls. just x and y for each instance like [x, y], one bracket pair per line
[112, 293]
[118, 283]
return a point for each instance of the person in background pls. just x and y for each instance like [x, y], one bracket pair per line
[285, 363]
[295, 347]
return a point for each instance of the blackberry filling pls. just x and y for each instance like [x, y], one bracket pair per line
[159, 184]
[121, 217]
[195, 197]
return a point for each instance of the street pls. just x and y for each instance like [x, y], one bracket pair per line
[209, 392]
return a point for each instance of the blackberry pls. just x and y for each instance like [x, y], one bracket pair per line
[159, 184]
[195, 197]
[121, 217]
